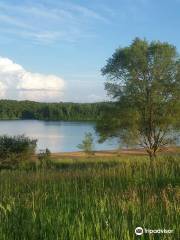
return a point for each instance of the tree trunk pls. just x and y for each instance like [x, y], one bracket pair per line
[152, 156]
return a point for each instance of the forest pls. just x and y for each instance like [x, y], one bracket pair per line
[15, 110]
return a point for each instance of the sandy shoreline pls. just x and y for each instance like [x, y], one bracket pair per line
[110, 153]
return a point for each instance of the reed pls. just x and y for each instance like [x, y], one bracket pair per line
[91, 199]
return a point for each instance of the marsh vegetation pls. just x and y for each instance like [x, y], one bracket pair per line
[91, 198]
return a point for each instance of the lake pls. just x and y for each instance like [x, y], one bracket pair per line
[58, 136]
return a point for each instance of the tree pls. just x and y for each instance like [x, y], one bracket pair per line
[87, 143]
[10, 109]
[144, 82]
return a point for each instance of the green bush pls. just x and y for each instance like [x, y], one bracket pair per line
[16, 149]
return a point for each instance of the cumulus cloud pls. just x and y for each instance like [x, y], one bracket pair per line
[17, 83]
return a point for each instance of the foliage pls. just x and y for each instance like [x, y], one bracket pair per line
[107, 201]
[10, 109]
[144, 81]
[14, 150]
[87, 143]
[44, 158]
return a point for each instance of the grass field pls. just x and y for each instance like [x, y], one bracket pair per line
[92, 198]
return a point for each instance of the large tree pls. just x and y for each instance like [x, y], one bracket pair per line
[144, 81]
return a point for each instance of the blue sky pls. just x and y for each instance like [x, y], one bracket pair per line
[53, 50]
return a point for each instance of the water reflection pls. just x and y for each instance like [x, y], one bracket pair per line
[58, 136]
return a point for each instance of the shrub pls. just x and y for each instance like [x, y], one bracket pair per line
[16, 149]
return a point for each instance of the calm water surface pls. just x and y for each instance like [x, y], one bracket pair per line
[58, 136]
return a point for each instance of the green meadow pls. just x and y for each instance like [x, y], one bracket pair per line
[91, 198]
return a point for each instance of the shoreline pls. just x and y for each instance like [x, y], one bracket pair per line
[111, 153]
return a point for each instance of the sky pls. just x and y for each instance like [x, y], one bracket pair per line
[53, 50]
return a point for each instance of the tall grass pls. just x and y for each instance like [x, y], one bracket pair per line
[91, 200]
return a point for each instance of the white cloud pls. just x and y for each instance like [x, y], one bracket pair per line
[86, 12]
[17, 83]
[51, 22]
[2, 90]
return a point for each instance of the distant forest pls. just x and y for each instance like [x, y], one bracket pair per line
[12, 110]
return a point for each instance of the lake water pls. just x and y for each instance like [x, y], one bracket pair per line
[58, 136]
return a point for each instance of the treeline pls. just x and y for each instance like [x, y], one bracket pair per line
[12, 110]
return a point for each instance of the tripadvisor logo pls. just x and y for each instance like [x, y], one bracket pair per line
[139, 231]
